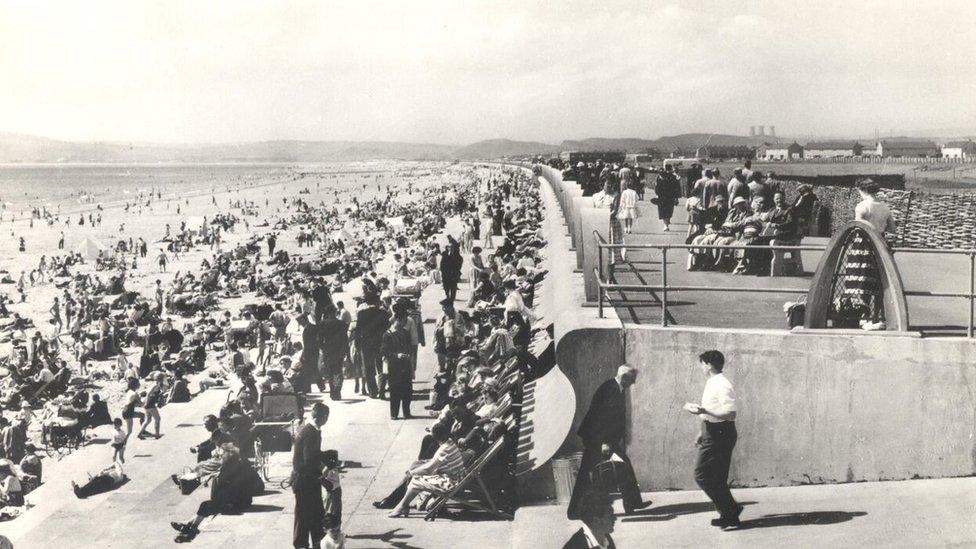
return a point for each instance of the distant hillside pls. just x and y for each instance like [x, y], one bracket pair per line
[497, 148]
[21, 148]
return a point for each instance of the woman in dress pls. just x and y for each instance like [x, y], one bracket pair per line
[628, 207]
[441, 472]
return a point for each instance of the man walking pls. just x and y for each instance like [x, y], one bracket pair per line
[371, 323]
[602, 431]
[306, 470]
[717, 439]
[397, 359]
[335, 349]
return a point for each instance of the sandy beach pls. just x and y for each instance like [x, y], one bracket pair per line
[254, 200]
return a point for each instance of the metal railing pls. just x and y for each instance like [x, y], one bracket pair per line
[664, 288]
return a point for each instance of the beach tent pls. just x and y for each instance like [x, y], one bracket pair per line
[91, 249]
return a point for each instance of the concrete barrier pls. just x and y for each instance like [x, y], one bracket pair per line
[814, 408]
[592, 219]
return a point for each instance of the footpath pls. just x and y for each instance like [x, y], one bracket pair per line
[912, 513]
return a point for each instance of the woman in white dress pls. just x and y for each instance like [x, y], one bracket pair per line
[628, 207]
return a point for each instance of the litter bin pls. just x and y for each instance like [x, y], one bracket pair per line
[564, 471]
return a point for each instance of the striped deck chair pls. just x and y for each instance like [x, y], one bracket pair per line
[471, 491]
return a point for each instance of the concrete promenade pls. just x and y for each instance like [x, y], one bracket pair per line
[915, 513]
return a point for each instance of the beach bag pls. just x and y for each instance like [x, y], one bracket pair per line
[608, 474]
[187, 486]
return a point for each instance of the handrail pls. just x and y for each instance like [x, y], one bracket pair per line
[664, 287]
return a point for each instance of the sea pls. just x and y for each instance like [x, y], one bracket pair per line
[73, 187]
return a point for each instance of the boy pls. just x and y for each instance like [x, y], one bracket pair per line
[332, 501]
[118, 441]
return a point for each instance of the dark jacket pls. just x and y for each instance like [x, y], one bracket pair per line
[606, 419]
[236, 484]
[335, 340]
[306, 457]
[371, 322]
[397, 342]
[578, 541]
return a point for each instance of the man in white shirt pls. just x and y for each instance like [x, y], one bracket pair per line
[717, 438]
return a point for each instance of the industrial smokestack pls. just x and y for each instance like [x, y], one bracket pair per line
[752, 131]
[762, 130]
[772, 131]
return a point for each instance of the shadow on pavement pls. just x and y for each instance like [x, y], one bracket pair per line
[668, 512]
[391, 537]
[263, 508]
[802, 519]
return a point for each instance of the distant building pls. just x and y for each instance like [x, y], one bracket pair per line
[608, 157]
[726, 152]
[959, 149]
[780, 151]
[895, 148]
[832, 149]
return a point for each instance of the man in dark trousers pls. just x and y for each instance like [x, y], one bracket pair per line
[335, 349]
[305, 478]
[371, 322]
[309, 368]
[602, 431]
[272, 240]
[451, 262]
[399, 366]
[717, 439]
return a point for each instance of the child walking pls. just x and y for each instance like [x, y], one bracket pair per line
[119, 438]
[332, 501]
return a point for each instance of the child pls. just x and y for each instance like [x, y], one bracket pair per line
[332, 500]
[118, 441]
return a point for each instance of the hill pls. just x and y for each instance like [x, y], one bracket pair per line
[497, 148]
[25, 148]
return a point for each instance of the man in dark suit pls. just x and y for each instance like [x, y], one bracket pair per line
[602, 431]
[371, 323]
[334, 350]
[306, 470]
[598, 521]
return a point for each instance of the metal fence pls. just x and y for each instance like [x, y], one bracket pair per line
[664, 287]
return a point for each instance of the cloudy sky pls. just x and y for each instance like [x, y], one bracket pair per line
[459, 71]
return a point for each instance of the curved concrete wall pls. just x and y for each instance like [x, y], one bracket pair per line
[581, 219]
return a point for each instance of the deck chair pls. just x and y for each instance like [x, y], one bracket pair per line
[473, 483]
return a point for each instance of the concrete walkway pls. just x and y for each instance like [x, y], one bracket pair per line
[919, 271]
[916, 513]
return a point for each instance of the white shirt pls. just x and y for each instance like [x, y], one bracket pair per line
[718, 397]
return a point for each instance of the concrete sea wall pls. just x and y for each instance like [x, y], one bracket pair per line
[815, 408]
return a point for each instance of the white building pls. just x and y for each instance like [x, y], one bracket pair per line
[959, 149]
[832, 149]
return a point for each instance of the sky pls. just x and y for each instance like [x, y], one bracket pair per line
[460, 71]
